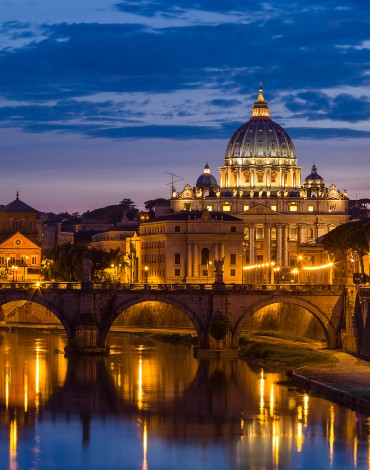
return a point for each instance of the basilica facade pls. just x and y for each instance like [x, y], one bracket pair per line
[284, 215]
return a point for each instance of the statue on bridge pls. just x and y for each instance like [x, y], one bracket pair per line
[219, 272]
[87, 270]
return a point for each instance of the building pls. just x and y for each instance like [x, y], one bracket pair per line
[183, 247]
[20, 255]
[260, 182]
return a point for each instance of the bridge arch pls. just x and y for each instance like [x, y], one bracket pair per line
[39, 300]
[147, 297]
[331, 333]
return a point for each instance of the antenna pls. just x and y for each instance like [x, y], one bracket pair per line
[173, 181]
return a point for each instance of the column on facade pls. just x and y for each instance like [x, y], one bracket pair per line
[196, 268]
[285, 246]
[279, 244]
[267, 243]
[252, 177]
[251, 243]
[302, 235]
[268, 177]
[189, 261]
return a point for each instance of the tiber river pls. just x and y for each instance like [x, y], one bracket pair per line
[152, 406]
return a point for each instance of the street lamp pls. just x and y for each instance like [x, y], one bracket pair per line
[14, 268]
[146, 268]
[208, 263]
[25, 267]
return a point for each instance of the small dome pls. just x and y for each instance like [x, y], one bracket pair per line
[206, 180]
[314, 178]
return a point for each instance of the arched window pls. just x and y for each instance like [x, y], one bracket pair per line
[205, 256]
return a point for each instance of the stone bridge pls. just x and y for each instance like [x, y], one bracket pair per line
[87, 310]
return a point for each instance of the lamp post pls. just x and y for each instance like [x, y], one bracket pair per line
[208, 263]
[25, 267]
[146, 268]
[15, 272]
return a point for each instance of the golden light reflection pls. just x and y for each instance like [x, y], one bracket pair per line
[145, 447]
[305, 409]
[272, 401]
[355, 446]
[13, 437]
[7, 385]
[25, 382]
[331, 435]
[275, 444]
[262, 397]
[140, 381]
[300, 437]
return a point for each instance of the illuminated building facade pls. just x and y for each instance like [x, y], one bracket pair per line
[260, 182]
[20, 256]
[182, 247]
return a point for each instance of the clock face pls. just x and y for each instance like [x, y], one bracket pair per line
[18, 242]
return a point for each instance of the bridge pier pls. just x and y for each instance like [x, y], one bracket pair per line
[85, 335]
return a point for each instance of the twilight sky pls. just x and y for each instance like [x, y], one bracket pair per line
[100, 98]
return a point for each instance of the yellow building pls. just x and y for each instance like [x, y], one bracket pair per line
[183, 247]
[20, 258]
[260, 182]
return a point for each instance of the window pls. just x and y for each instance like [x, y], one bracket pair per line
[233, 229]
[34, 260]
[187, 206]
[2, 259]
[177, 258]
[245, 208]
[273, 208]
[3, 225]
[16, 224]
[226, 208]
[232, 259]
[205, 256]
[310, 208]
[273, 234]
[310, 232]
[177, 228]
[177, 272]
[260, 178]
[209, 208]
[259, 233]
[293, 208]
[293, 233]
[232, 272]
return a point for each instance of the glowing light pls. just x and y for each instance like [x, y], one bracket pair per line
[262, 398]
[331, 435]
[313, 268]
[272, 401]
[13, 438]
[145, 446]
[305, 408]
[7, 386]
[299, 437]
[25, 391]
[275, 444]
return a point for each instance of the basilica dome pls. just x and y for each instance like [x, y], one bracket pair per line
[260, 137]
[313, 177]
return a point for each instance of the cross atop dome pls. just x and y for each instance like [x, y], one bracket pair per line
[260, 108]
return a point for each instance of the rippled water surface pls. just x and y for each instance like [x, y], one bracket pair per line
[152, 406]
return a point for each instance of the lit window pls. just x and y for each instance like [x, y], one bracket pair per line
[226, 208]
[209, 208]
[259, 233]
[273, 234]
[293, 208]
[273, 208]
[310, 208]
[245, 208]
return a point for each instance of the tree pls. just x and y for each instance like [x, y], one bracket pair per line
[65, 263]
[350, 236]
[129, 209]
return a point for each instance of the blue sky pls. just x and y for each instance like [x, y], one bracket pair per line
[99, 99]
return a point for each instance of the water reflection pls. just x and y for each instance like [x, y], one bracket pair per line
[166, 410]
